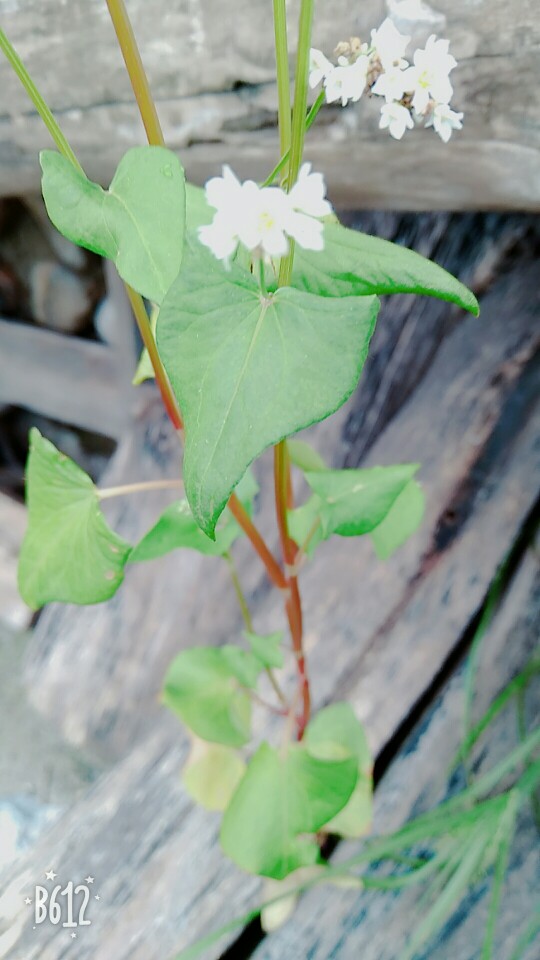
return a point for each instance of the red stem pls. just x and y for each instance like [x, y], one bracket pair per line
[293, 604]
[244, 520]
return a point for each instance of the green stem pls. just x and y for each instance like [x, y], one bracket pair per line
[106, 493]
[246, 614]
[282, 71]
[301, 88]
[310, 119]
[136, 71]
[240, 595]
[262, 278]
[38, 101]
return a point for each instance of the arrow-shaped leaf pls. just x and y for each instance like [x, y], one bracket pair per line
[69, 553]
[282, 797]
[248, 370]
[355, 264]
[139, 222]
[354, 502]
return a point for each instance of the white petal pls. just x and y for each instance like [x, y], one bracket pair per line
[308, 193]
[219, 237]
[307, 232]
[221, 191]
[274, 242]
[319, 67]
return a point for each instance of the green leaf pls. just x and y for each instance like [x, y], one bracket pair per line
[248, 371]
[304, 456]
[305, 525]
[355, 820]
[176, 529]
[246, 667]
[282, 797]
[354, 502]
[198, 211]
[267, 649]
[69, 553]
[204, 687]
[401, 521]
[355, 264]
[139, 222]
[334, 734]
[212, 774]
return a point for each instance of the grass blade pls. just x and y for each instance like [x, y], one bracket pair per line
[530, 932]
[506, 828]
[451, 895]
[514, 688]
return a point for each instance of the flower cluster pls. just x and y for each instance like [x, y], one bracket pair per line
[262, 219]
[419, 92]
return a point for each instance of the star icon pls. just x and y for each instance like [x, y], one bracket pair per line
[89, 880]
[51, 875]
[73, 936]
[97, 897]
[28, 901]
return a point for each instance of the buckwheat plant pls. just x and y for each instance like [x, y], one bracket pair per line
[265, 309]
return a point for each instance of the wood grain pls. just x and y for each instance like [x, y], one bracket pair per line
[375, 925]
[214, 86]
[66, 378]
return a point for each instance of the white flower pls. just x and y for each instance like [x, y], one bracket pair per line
[396, 119]
[389, 45]
[429, 77]
[347, 81]
[263, 218]
[308, 194]
[443, 119]
[319, 67]
[391, 84]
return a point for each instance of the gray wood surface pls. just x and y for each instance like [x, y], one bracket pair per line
[13, 611]
[213, 79]
[77, 381]
[370, 628]
[374, 925]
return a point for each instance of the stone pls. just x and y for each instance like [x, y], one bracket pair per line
[59, 298]
[213, 81]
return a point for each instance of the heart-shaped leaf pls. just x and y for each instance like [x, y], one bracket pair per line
[138, 223]
[212, 774]
[176, 528]
[248, 370]
[355, 264]
[267, 649]
[354, 502]
[281, 797]
[335, 733]
[69, 553]
[204, 686]
[401, 521]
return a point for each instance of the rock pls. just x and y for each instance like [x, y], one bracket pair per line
[70, 255]
[59, 298]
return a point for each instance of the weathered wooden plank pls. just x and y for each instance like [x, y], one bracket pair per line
[214, 84]
[104, 698]
[13, 611]
[69, 379]
[375, 925]
[473, 425]
[157, 897]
